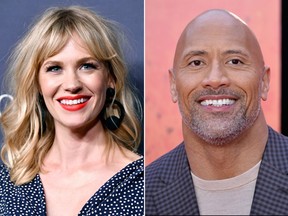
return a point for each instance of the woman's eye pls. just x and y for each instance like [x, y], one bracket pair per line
[53, 68]
[196, 63]
[235, 61]
[89, 66]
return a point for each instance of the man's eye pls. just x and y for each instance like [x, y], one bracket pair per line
[235, 61]
[196, 63]
[89, 66]
[53, 69]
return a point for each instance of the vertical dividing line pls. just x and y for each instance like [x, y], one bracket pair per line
[284, 74]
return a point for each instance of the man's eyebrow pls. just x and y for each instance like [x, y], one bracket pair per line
[236, 51]
[195, 53]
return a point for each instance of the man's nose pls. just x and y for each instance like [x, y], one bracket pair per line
[216, 77]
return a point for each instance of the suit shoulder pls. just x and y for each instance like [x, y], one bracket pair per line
[165, 159]
[166, 167]
[280, 139]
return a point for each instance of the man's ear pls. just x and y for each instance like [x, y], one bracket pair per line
[265, 82]
[173, 91]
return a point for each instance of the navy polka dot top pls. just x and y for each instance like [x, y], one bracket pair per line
[123, 194]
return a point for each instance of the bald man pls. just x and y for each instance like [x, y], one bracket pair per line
[230, 162]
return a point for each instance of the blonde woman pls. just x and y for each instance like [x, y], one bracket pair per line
[72, 129]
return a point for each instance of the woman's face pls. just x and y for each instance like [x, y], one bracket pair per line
[73, 85]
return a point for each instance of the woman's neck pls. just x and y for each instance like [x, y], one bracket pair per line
[73, 148]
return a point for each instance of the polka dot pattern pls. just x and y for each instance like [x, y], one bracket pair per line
[123, 194]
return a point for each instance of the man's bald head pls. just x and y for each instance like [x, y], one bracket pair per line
[213, 23]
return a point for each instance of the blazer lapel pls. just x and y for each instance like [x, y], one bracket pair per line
[178, 192]
[271, 192]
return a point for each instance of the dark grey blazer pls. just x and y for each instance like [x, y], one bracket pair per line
[169, 186]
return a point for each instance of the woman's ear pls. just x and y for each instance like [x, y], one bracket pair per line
[111, 82]
[111, 85]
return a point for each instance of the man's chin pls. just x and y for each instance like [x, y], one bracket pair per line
[218, 133]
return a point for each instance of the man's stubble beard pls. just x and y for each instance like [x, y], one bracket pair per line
[220, 128]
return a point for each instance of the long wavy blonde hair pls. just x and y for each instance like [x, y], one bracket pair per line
[28, 128]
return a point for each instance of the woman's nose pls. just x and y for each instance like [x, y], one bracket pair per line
[72, 82]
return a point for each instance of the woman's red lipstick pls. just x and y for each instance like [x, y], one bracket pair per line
[73, 103]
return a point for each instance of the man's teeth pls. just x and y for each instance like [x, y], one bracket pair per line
[73, 102]
[218, 103]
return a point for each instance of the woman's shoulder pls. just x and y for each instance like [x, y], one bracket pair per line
[139, 164]
[134, 171]
[131, 158]
[25, 199]
[4, 173]
[4, 179]
[134, 162]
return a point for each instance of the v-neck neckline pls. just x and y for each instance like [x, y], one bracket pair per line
[98, 192]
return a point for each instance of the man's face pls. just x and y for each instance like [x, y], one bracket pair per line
[218, 79]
